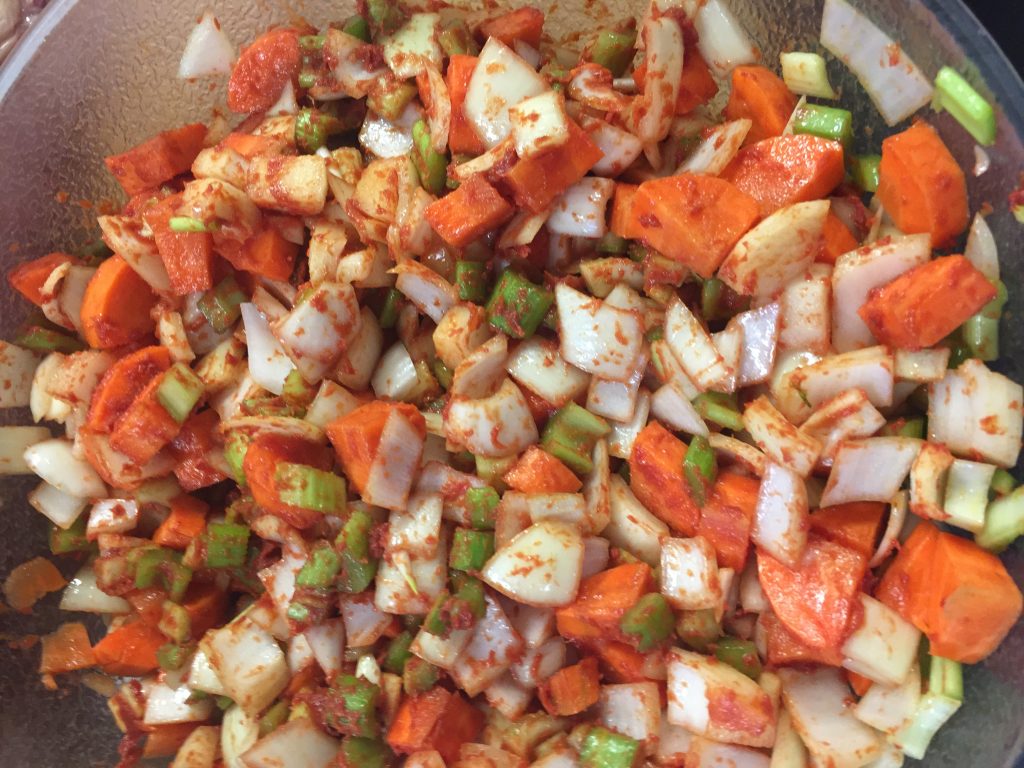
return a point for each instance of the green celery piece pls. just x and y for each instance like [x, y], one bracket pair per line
[469, 591]
[71, 540]
[389, 310]
[398, 653]
[187, 224]
[274, 717]
[179, 391]
[298, 612]
[471, 281]
[172, 657]
[436, 622]
[178, 581]
[296, 391]
[711, 298]
[311, 130]
[357, 26]
[719, 408]
[517, 307]
[698, 629]
[358, 567]
[226, 545]
[384, 16]
[444, 376]
[40, 339]
[310, 488]
[456, 40]
[391, 99]
[236, 444]
[221, 305]
[739, 654]
[657, 333]
[946, 678]
[981, 331]
[650, 620]
[147, 563]
[1004, 522]
[312, 43]
[826, 122]
[1002, 482]
[606, 749]
[958, 97]
[933, 711]
[431, 165]
[361, 752]
[864, 170]
[481, 504]
[419, 676]
[175, 622]
[614, 50]
[320, 570]
[700, 468]
[612, 244]
[470, 549]
[358, 716]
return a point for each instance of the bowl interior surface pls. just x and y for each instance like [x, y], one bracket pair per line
[93, 78]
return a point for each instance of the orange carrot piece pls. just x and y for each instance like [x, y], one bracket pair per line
[30, 581]
[266, 254]
[129, 649]
[437, 719]
[697, 85]
[621, 222]
[817, 599]
[571, 689]
[537, 180]
[355, 437]
[785, 648]
[621, 663]
[656, 477]
[146, 426]
[836, 239]
[249, 145]
[526, 24]
[166, 740]
[537, 471]
[692, 219]
[462, 138]
[856, 525]
[761, 96]
[859, 683]
[926, 304]
[205, 605]
[263, 69]
[187, 256]
[148, 604]
[472, 210]
[28, 277]
[193, 448]
[159, 159]
[122, 384]
[787, 169]
[116, 306]
[921, 185]
[903, 586]
[728, 517]
[262, 458]
[185, 522]
[66, 649]
[602, 600]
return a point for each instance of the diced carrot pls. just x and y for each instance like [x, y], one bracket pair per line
[692, 219]
[185, 522]
[205, 605]
[30, 581]
[437, 719]
[66, 649]
[462, 138]
[165, 740]
[537, 180]
[526, 24]
[697, 86]
[787, 169]
[954, 591]
[622, 210]
[266, 254]
[540, 409]
[116, 306]
[146, 426]
[785, 648]
[193, 449]
[602, 600]
[921, 185]
[621, 663]
[856, 525]
[728, 516]
[28, 277]
[262, 70]
[187, 256]
[761, 96]
[472, 210]
[130, 649]
[148, 604]
[122, 384]
[262, 458]
[656, 477]
[571, 689]
[926, 304]
[537, 471]
[817, 600]
[249, 145]
[836, 239]
[859, 683]
[159, 159]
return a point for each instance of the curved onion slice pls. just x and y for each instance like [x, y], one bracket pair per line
[501, 79]
[483, 370]
[431, 293]
[490, 651]
[269, 364]
[717, 149]
[390, 138]
[869, 470]
[351, 75]
[693, 349]
[539, 123]
[55, 462]
[250, 663]
[541, 566]
[64, 292]
[537, 365]
[597, 337]
[654, 109]
[620, 148]
[124, 237]
[319, 328]
[208, 50]
[580, 210]
[592, 85]
[780, 521]
[981, 249]
[414, 47]
[395, 463]
[499, 425]
[722, 41]
[83, 594]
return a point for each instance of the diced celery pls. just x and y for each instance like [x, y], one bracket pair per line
[933, 711]
[71, 540]
[456, 39]
[398, 653]
[946, 678]
[361, 752]
[740, 655]
[389, 310]
[274, 717]
[470, 549]
[826, 122]
[481, 503]
[226, 545]
[864, 170]
[700, 468]
[309, 488]
[650, 620]
[320, 570]
[419, 676]
[471, 280]
[179, 391]
[357, 27]
[358, 714]
[698, 629]
[187, 224]
[40, 339]
[517, 306]
[358, 567]
[805, 74]
[1004, 522]
[614, 50]
[1002, 482]
[606, 749]
[431, 165]
[221, 305]
[175, 622]
[958, 97]
[981, 331]
[719, 408]
[570, 435]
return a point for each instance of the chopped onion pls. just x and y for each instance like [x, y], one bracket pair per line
[693, 349]
[357, 363]
[722, 41]
[619, 148]
[63, 294]
[490, 651]
[522, 229]
[364, 622]
[14, 442]
[199, 750]
[250, 663]
[717, 149]
[500, 80]
[595, 555]
[208, 50]
[674, 744]
[615, 400]
[689, 574]
[923, 365]
[510, 699]
[539, 123]
[580, 210]
[592, 85]
[869, 470]
[238, 733]
[846, 416]
[17, 368]
[893, 529]
[737, 452]
[887, 708]
[315, 332]
[569, 508]
[632, 709]
[760, 338]
[806, 315]
[327, 642]
[483, 370]
[729, 344]
[394, 464]
[296, 744]
[894, 83]
[418, 530]
[499, 425]
[331, 403]
[166, 705]
[632, 527]
[407, 585]
[884, 645]
[503, 151]
[623, 434]
[537, 365]
[539, 663]
[351, 75]
[414, 46]
[554, 551]
[425, 288]
[55, 462]
[981, 249]
[83, 594]
[782, 442]
[653, 110]
[395, 377]
[596, 337]
[868, 369]
[112, 516]
[117, 469]
[441, 651]
[269, 364]
[286, 104]
[966, 494]
[671, 406]
[40, 402]
[780, 520]
[928, 476]
[390, 138]
[124, 237]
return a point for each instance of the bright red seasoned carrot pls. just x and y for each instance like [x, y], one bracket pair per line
[537, 471]
[785, 648]
[146, 426]
[537, 180]
[437, 719]
[787, 169]
[602, 600]
[859, 683]
[926, 304]
[656, 477]
[526, 24]
[954, 591]
[28, 277]
[759, 95]
[266, 254]
[130, 649]
[187, 256]
[728, 516]
[116, 306]
[205, 605]
[836, 239]
[692, 219]
[471, 211]
[462, 139]
[621, 222]
[66, 649]
[122, 384]
[29, 582]
[262, 458]
[621, 663]
[921, 185]
[856, 525]
[249, 145]
[272, 60]
[166, 740]
[817, 599]
[571, 689]
[159, 159]
[185, 522]
[697, 86]
[193, 450]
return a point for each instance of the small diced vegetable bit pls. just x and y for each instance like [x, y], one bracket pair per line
[981, 331]
[525, 24]
[517, 307]
[958, 97]
[469, 212]
[358, 566]
[602, 601]
[658, 480]
[1004, 520]
[471, 281]
[570, 435]
[864, 170]
[699, 629]
[572, 689]
[805, 74]
[481, 504]
[740, 655]
[116, 306]
[179, 391]
[470, 549]
[699, 468]
[430, 164]
[29, 277]
[462, 138]
[537, 471]
[157, 160]
[759, 95]
[650, 622]
[225, 545]
[606, 749]
[537, 180]
[262, 69]
[438, 720]
[614, 50]
[825, 122]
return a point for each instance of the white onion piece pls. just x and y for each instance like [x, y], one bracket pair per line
[63, 296]
[780, 521]
[693, 348]
[537, 365]
[884, 645]
[395, 377]
[501, 79]
[418, 530]
[238, 733]
[717, 149]
[966, 494]
[364, 622]
[112, 516]
[689, 573]
[250, 663]
[869, 470]
[596, 337]
[327, 642]
[499, 425]
[722, 41]
[483, 370]
[269, 364]
[539, 123]
[921, 366]
[390, 138]
[595, 555]
[554, 551]
[414, 47]
[83, 594]
[55, 462]
[535, 625]
[14, 442]
[199, 750]
[868, 369]
[396, 576]
[507, 697]
[652, 112]
[124, 237]
[569, 508]
[441, 651]
[490, 651]
[893, 529]
[580, 210]
[350, 76]
[760, 339]
[431, 293]
[775, 251]
[981, 249]
[41, 403]
[439, 108]
[330, 404]
[166, 705]
[894, 83]
[737, 452]
[316, 331]
[208, 51]
[846, 416]
[357, 363]
[887, 707]
[674, 744]
[857, 272]
[296, 744]
[806, 314]
[671, 406]
[928, 476]
[632, 527]
[729, 344]
[616, 400]
[522, 229]
[395, 463]
[121, 471]
[619, 148]
[623, 434]
[782, 442]
[17, 368]
[591, 85]
[632, 709]
[539, 663]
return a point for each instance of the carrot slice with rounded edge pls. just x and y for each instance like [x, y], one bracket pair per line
[728, 517]
[761, 96]
[262, 458]
[28, 277]
[122, 384]
[856, 525]
[656, 477]
[146, 427]
[262, 70]
[159, 159]
[116, 306]
[526, 24]
[537, 471]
